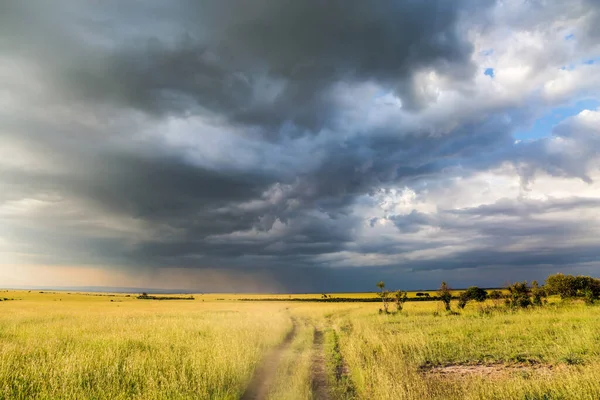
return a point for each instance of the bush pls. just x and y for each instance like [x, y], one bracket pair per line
[476, 293]
[495, 295]
[463, 299]
[538, 293]
[400, 298]
[569, 286]
[384, 296]
[519, 295]
[589, 297]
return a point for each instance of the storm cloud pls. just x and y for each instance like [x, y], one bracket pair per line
[313, 146]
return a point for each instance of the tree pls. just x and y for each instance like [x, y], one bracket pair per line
[562, 285]
[384, 296]
[472, 293]
[476, 293]
[445, 295]
[569, 286]
[400, 298]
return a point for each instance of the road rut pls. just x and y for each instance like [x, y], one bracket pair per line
[258, 389]
[318, 370]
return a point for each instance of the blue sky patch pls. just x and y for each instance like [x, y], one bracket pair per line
[542, 127]
[489, 72]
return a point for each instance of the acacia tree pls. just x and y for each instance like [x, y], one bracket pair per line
[445, 295]
[400, 298]
[384, 295]
[472, 293]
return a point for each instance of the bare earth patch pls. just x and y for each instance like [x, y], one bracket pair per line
[488, 371]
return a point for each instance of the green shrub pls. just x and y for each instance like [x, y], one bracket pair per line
[538, 294]
[400, 298]
[519, 295]
[463, 299]
[569, 286]
[476, 293]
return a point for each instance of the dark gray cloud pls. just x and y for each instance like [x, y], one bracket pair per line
[263, 63]
[261, 137]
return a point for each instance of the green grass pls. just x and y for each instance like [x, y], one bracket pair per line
[59, 345]
[341, 386]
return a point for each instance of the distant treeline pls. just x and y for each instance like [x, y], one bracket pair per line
[518, 294]
[6, 299]
[145, 296]
[342, 299]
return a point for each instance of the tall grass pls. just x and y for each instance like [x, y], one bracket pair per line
[146, 350]
[87, 347]
[387, 354]
[292, 379]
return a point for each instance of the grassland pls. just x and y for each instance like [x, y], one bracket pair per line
[59, 345]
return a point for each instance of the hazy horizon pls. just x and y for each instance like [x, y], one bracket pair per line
[135, 290]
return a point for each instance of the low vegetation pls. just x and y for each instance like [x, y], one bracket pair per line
[87, 347]
[527, 341]
[569, 287]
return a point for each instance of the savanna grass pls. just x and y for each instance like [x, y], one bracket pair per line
[89, 347]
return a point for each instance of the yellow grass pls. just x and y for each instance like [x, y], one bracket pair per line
[59, 345]
[78, 346]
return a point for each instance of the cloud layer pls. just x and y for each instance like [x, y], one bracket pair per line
[311, 146]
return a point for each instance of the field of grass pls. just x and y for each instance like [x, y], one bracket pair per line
[59, 345]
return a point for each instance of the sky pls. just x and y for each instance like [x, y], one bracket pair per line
[298, 146]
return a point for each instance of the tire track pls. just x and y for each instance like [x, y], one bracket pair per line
[318, 371]
[258, 388]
